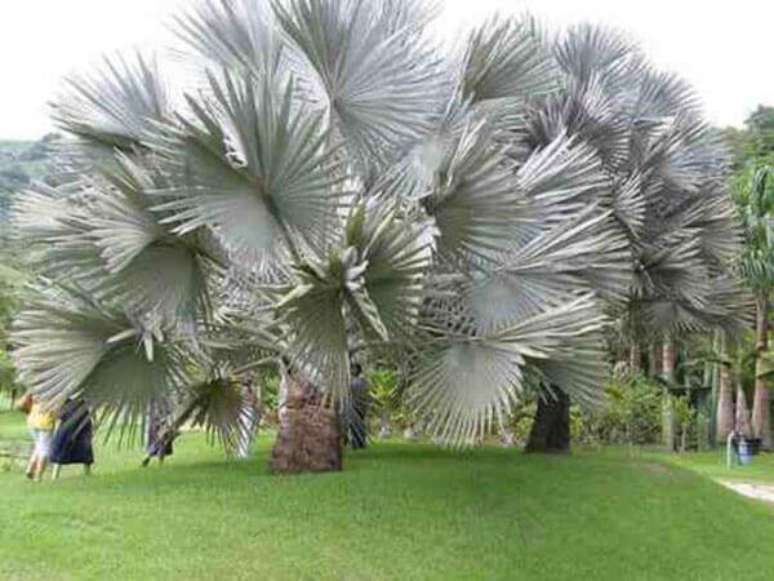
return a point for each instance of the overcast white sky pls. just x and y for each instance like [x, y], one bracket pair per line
[724, 47]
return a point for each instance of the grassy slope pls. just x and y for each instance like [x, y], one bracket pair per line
[399, 511]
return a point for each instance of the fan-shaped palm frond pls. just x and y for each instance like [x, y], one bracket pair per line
[55, 226]
[586, 111]
[116, 107]
[150, 269]
[238, 35]
[224, 408]
[252, 167]
[465, 383]
[589, 54]
[563, 178]
[317, 327]
[477, 205]
[661, 94]
[71, 345]
[675, 270]
[107, 238]
[506, 59]
[374, 73]
[398, 257]
[585, 252]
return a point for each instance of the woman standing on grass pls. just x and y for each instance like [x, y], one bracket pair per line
[72, 439]
[40, 422]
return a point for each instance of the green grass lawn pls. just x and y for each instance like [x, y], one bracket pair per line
[398, 511]
[713, 465]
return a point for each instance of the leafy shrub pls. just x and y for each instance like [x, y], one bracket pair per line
[685, 419]
[631, 413]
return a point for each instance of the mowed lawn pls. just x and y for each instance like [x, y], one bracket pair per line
[398, 511]
[714, 465]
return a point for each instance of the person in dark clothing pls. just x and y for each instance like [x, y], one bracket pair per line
[360, 402]
[158, 423]
[72, 440]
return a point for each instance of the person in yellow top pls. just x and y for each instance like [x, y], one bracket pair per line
[40, 422]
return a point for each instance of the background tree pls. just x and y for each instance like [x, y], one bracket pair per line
[755, 203]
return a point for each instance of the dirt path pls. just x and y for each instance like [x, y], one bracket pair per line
[751, 489]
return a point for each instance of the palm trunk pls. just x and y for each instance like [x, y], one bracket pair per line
[725, 411]
[711, 378]
[654, 361]
[635, 357]
[309, 435]
[551, 430]
[761, 414]
[742, 411]
[669, 354]
[684, 438]
[669, 357]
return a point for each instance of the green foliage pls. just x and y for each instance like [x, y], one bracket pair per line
[760, 125]
[522, 418]
[8, 306]
[631, 413]
[383, 384]
[269, 382]
[754, 197]
[7, 372]
[685, 417]
[753, 143]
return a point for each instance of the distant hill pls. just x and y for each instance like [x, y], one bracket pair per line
[21, 162]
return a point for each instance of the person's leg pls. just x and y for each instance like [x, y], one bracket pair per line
[31, 464]
[44, 446]
[55, 473]
[30, 471]
[42, 465]
[87, 469]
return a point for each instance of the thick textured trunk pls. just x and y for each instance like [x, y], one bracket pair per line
[308, 436]
[710, 379]
[669, 358]
[761, 413]
[725, 418]
[551, 428]
[684, 438]
[743, 425]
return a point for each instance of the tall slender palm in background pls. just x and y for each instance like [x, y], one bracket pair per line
[755, 200]
[337, 186]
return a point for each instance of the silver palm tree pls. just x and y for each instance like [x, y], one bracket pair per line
[667, 173]
[336, 186]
